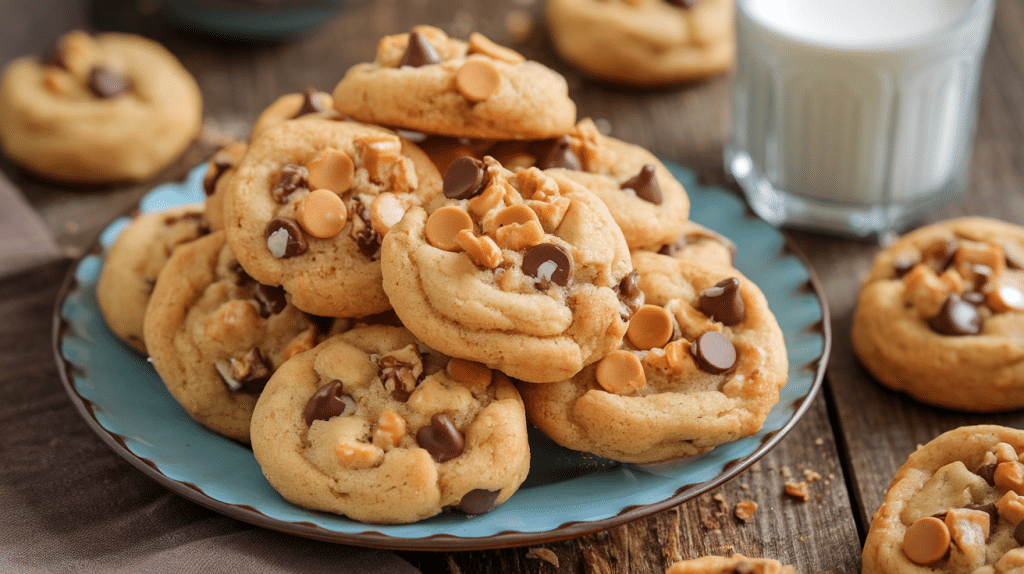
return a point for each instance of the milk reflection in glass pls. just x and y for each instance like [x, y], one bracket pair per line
[855, 116]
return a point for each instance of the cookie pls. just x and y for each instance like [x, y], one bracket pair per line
[104, 108]
[133, 262]
[308, 204]
[700, 245]
[648, 203]
[519, 271]
[295, 105]
[644, 42]
[701, 365]
[215, 335]
[219, 169]
[373, 425]
[735, 564]
[940, 316]
[427, 82]
[956, 505]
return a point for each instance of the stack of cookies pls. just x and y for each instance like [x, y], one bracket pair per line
[381, 311]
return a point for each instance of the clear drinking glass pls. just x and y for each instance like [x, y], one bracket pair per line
[854, 118]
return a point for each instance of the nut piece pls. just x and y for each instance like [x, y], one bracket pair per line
[469, 372]
[620, 372]
[389, 430]
[400, 370]
[480, 44]
[969, 530]
[1011, 507]
[331, 169]
[357, 455]
[322, 213]
[926, 541]
[482, 250]
[1005, 452]
[381, 156]
[444, 225]
[478, 80]
[519, 236]
[651, 327]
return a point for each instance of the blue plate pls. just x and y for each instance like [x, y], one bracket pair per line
[567, 494]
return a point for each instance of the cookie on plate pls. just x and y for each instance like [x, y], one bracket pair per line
[648, 203]
[519, 271]
[215, 335]
[133, 262]
[104, 108]
[219, 169]
[373, 425]
[735, 564]
[290, 106]
[701, 364]
[309, 203]
[700, 245]
[956, 505]
[644, 42]
[940, 316]
[427, 82]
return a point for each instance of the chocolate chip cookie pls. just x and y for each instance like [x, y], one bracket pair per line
[956, 505]
[519, 271]
[374, 425]
[940, 316]
[701, 364]
[427, 82]
[215, 335]
[309, 203]
[104, 108]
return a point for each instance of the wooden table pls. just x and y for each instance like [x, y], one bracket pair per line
[856, 433]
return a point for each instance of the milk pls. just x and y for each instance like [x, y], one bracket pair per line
[855, 117]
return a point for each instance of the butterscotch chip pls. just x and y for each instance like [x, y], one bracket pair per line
[1005, 295]
[331, 169]
[471, 372]
[927, 540]
[482, 250]
[517, 213]
[650, 327]
[621, 373]
[443, 227]
[1010, 476]
[357, 455]
[322, 213]
[480, 44]
[478, 80]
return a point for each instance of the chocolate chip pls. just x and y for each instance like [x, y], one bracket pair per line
[956, 318]
[698, 236]
[248, 374]
[219, 164]
[631, 297]
[311, 103]
[723, 302]
[285, 238]
[645, 185]
[560, 154]
[269, 300]
[419, 52]
[106, 83]
[478, 501]
[987, 472]
[327, 402]
[366, 237]
[548, 262]
[441, 439]
[684, 4]
[464, 178]
[714, 353]
[293, 178]
[196, 218]
[1018, 533]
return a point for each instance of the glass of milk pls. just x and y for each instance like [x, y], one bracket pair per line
[855, 117]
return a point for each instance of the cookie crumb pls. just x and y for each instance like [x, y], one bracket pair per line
[722, 504]
[786, 472]
[745, 510]
[819, 441]
[797, 490]
[543, 554]
[756, 467]
[811, 475]
[745, 486]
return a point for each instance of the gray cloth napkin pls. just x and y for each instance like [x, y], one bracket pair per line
[24, 239]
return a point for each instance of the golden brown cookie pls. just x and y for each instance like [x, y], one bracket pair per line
[373, 425]
[644, 42]
[735, 564]
[519, 271]
[940, 316]
[102, 108]
[309, 203]
[219, 169]
[427, 82]
[701, 364]
[295, 105]
[133, 262]
[956, 505]
[215, 335]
